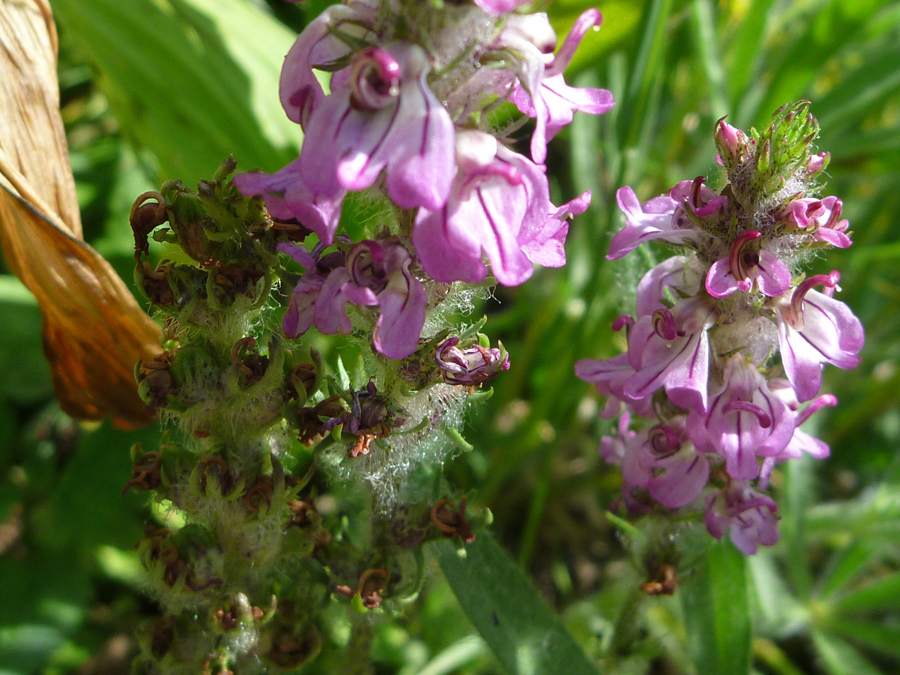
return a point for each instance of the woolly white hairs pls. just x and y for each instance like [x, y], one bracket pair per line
[385, 468]
[758, 338]
[459, 301]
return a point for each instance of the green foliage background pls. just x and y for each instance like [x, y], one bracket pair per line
[158, 89]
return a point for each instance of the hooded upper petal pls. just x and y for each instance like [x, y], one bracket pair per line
[317, 45]
[410, 136]
[544, 94]
[814, 329]
[499, 207]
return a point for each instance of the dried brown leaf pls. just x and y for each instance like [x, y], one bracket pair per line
[94, 331]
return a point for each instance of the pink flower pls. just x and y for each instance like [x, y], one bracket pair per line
[469, 366]
[801, 442]
[652, 220]
[745, 420]
[499, 206]
[815, 329]
[821, 217]
[541, 91]
[373, 275]
[319, 46]
[670, 273]
[748, 516]
[609, 377]
[679, 472]
[671, 349]
[660, 459]
[301, 311]
[381, 115]
[288, 197]
[748, 264]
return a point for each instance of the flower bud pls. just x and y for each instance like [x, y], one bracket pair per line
[469, 366]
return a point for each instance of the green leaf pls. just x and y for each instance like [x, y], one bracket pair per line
[704, 30]
[458, 655]
[844, 566]
[883, 637]
[778, 608]
[798, 495]
[44, 597]
[648, 66]
[26, 649]
[717, 612]
[85, 508]
[523, 633]
[862, 88]
[839, 657]
[881, 594]
[190, 80]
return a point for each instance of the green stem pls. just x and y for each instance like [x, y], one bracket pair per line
[357, 659]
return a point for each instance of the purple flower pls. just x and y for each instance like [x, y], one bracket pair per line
[801, 442]
[609, 377]
[499, 206]
[498, 7]
[815, 329]
[316, 47]
[745, 420]
[679, 472]
[660, 459]
[469, 366]
[376, 275]
[748, 516]
[652, 220]
[301, 311]
[614, 448]
[821, 217]
[288, 197]
[381, 115]
[543, 93]
[670, 273]
[671, 349]
[745, 266]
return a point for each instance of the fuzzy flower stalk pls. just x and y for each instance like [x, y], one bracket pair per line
[406, 202]
[729, 338]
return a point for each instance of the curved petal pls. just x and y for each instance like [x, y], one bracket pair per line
[301, 309]
[669, 273]
[652, 220]
[299, 89]
[773, 275]
[447, 254]
[347, 148]
[720, 282]
[403, 304]
[331, 303]
[684, 476]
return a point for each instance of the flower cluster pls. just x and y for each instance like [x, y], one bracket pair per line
[411, 116]
[729, 338]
